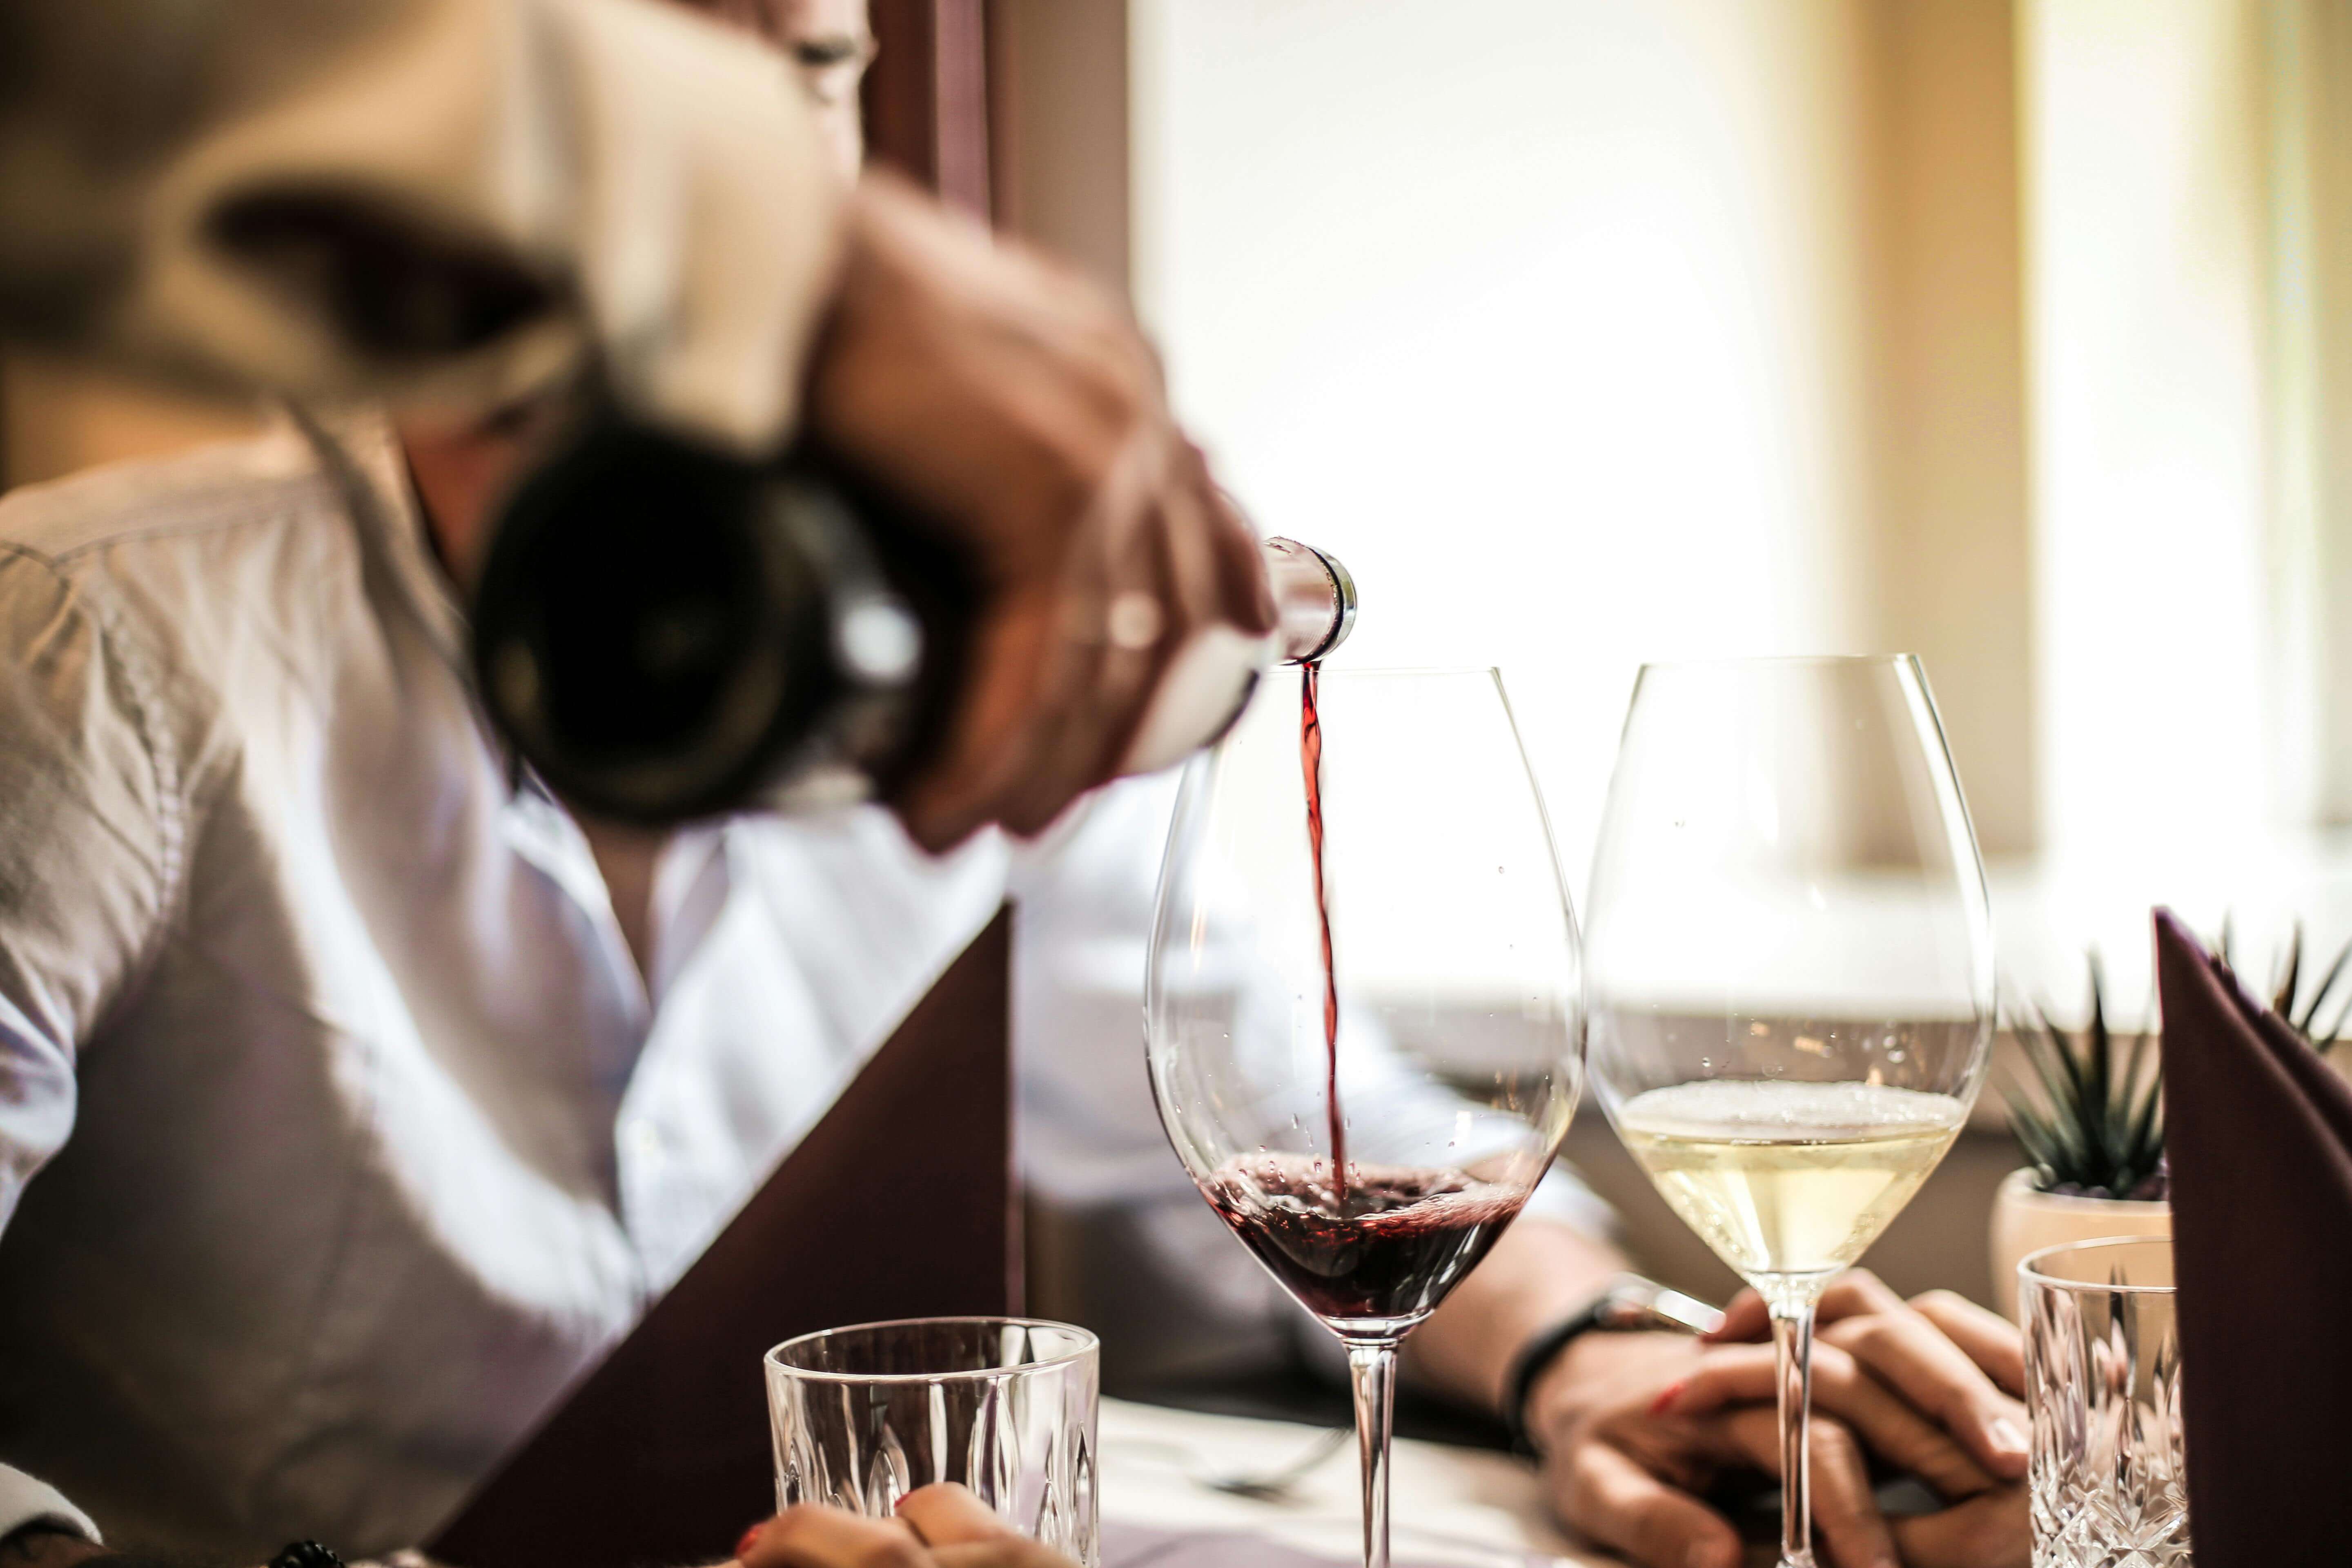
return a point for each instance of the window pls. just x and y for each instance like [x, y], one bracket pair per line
[2017, 337]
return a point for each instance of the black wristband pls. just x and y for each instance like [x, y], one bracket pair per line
[1629, 1302]
[1535, 1355]
[305, 1554]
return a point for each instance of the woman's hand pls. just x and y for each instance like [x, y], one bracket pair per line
[1635, 1427]
[939, 1527]
[1961, 1365]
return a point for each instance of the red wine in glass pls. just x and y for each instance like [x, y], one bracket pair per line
[1391, 1252]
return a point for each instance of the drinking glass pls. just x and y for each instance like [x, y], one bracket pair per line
[1789, 972]
[861, 1417]
[2102, 1381]
[1362, 1002]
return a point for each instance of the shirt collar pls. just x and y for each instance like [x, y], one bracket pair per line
[363, 454]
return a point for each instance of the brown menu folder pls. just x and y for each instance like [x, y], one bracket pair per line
[896, 1204]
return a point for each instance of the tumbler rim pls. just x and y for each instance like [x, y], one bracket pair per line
[1087, 1345]
[2027, 1273]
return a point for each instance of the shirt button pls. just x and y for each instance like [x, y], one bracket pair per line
[645, 1139]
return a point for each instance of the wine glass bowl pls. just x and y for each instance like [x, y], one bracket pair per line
[1369, 1127]
[1789, 971]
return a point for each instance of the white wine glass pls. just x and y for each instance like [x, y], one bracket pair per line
[1789, 972]
[1370, 1102]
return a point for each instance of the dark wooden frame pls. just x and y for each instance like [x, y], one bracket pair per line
[926, 98]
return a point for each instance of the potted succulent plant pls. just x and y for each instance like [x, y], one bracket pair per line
[2094, 1143]
[2092, 1128]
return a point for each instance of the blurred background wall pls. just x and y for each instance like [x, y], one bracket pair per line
[2011, 334]
[2017, 333]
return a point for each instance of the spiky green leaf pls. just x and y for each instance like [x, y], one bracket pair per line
[2087, 1112]
[2319, 993]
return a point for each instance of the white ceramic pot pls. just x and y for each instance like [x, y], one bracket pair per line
[2026, 1221]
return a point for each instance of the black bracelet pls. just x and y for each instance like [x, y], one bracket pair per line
[1534, 1357]
[305, 1554]
[1629, 1302]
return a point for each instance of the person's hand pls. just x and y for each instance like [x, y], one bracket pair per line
[1633, 1426]
[1016, 407]
[1956, 1361]
[942, 1526]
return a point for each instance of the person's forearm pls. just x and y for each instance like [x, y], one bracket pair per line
[47, 1545]
[1539, 1273]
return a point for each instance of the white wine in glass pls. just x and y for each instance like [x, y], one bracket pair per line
[1784, 1178]
[1789, 972]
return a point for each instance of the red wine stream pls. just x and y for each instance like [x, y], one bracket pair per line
[1311, 763]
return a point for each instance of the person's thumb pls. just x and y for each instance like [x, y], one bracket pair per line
[1744, 1319]
[1989, 1531]
[1621, 1505]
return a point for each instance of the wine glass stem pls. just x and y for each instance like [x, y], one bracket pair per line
[1792, 1343]
[1372, 1367]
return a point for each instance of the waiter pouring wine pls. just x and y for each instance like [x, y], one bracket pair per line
[361, 1083]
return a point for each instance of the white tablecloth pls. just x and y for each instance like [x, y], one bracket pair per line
[1457, 1508]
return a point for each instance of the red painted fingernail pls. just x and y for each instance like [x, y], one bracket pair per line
[743, 1547]
[1665, 1399]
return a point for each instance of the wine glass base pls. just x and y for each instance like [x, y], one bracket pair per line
[1372, 1331]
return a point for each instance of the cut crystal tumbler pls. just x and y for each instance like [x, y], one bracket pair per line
[2103, 1380]
[1005, 1405]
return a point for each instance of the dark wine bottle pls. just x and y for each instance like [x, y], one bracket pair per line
[665, 631]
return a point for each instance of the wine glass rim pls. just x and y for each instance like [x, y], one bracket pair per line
[1816, 660]
[1084, 1344]
[1390, 671]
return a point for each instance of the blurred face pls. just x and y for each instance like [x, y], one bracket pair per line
[830, 43]
[458, 472]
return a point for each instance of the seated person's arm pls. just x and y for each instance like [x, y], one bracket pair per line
[1540, 1272]
[93, 827]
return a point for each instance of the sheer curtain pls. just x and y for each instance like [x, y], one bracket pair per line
[2013, 335]
[2186, 191]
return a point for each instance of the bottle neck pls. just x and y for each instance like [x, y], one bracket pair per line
[1314, 600]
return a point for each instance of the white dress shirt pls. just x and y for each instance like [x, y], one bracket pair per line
[338, 1131]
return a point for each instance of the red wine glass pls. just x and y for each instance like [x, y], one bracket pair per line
[1363, 1010]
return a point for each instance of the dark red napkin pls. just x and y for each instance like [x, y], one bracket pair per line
[2258, 1132]
[896, 1204]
